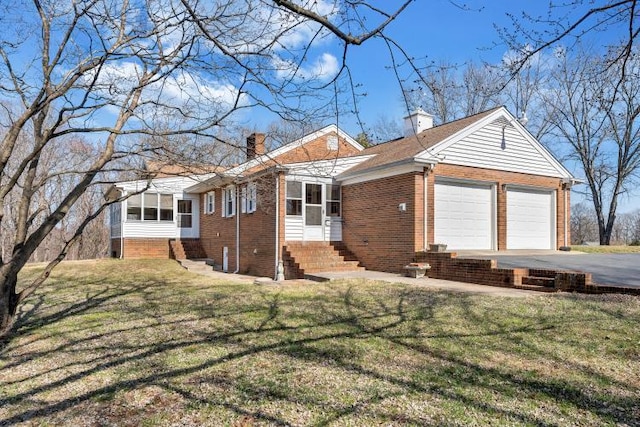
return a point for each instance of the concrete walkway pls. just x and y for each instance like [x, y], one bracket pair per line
[202, 268]
[445, 285]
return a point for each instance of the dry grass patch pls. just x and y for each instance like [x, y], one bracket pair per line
[146, 343]
[619, 249]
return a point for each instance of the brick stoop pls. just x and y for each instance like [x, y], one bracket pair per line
[304, 258]
[186, 249]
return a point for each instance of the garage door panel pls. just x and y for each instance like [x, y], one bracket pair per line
[530, 222]
[464, 215]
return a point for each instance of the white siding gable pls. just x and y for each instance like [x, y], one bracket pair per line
[499, 142]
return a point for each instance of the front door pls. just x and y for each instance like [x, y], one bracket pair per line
[187, 218]
[313, 211]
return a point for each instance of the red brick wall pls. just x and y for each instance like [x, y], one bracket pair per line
[257, 232]
[384, 239]
[137, 247]
[378, 234]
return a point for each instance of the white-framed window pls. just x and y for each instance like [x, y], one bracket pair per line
[333, 200]
[229, 201]
[150, 207]
[294, 198]
[210, 202]
[185, 213]
[249, 199]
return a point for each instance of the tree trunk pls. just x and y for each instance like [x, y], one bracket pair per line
[8, 304]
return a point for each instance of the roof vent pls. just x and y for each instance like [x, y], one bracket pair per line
[417, 122]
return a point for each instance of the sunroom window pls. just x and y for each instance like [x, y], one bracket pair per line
[150, 207]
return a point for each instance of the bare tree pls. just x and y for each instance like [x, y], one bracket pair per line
[584, 227]
[598, 115]
[449, 91]
[113, 71]
[572, 23]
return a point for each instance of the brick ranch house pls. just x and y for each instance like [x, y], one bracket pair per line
[324, 202]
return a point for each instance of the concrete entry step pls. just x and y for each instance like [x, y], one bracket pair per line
[549, 282]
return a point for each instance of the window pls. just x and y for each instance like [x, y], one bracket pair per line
[150, 207]
[229, 201]
[185, 218]
[294, 198]
[249, 198]
[166, 207]
[134, 207]
[210, 203]
[333, 200]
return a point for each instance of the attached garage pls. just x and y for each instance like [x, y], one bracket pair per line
[530, 219]
[464, 215]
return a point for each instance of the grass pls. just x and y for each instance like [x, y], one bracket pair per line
[146, 343]
[619, 249]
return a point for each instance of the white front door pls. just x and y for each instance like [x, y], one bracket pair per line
[313, 211]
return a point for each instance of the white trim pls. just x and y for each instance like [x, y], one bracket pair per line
[243, 199]
[210, 202]
[384, 171]
[169, 184]
[228, 195]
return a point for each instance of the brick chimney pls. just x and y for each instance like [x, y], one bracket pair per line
[417, 122]
[255, 145]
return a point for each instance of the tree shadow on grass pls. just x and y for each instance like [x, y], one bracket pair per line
[325, 333]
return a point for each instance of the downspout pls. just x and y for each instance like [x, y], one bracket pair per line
[277, 252]
[123, 212]
[237, 207]
[566, 219]
[424, 207]
[425, 233]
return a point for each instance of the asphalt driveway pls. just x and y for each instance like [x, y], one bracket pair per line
[605, 269]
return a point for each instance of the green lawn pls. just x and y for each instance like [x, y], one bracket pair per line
[146, 343]
[620, 249]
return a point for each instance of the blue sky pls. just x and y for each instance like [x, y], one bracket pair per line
[439, 31]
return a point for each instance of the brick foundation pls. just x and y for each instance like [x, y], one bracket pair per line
[138, 247]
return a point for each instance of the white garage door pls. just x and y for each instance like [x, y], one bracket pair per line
[464, 215]
[530, 219]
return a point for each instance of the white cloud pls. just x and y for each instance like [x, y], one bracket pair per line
[179, 94]
[324, 68]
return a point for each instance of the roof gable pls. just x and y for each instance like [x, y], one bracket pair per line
[496, 141]
[282, 155]
[313, 147]
[407, 148]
